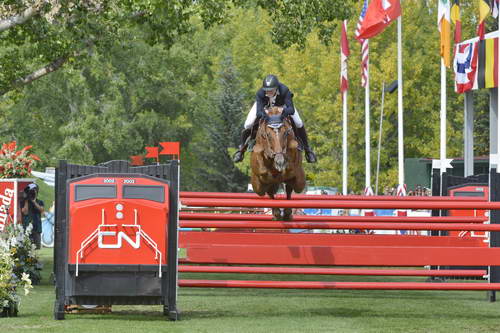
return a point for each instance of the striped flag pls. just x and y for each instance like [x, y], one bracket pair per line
[484, 12]
[465, 65]
[364, 46]
[487, 64]
[443, 21]
[344, 53]
[455, 19]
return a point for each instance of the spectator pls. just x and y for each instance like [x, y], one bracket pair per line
[32, 210]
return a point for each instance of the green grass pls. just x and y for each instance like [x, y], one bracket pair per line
[253, 310]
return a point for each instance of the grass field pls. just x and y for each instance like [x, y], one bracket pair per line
[253, 310]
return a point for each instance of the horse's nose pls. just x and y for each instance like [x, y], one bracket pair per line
[279, 162]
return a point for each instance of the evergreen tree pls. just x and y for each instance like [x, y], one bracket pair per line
[222, 124]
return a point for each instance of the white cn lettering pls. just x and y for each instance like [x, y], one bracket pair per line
[121, 236]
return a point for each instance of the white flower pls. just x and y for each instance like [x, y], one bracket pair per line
[25, 278]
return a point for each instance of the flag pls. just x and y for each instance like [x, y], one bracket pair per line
[170, 148]
[464, 66]
[136, 160]
[401, 192]
[344, 53]
[368, 191]
[379, 15]
[487, 64]
[364, 46]
[484, 12]
[444, 30]
[455, 19]
[152, 152]
[494, 8]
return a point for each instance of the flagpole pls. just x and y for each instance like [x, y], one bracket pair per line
[498, 99]
[401, 173]
[367, 125]
[443, 119]
[344, 85]
[344, 143]
[380, 138]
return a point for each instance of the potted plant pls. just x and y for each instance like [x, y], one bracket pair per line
[13, 278]
[16, 163]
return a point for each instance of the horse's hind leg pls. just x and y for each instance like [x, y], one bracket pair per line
[287, 212]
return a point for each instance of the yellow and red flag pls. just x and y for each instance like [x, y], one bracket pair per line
[455, 19]
[484, 12]
[444, 30]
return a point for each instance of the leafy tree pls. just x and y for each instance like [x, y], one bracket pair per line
[39, 36]
[222, 124]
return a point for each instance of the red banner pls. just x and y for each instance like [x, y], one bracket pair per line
[9, 190]
[170, 148]
[152, 152]
[137, 160]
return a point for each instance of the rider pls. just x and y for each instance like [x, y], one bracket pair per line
[273, 93]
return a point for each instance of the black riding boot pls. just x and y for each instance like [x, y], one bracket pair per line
[310, 156]
[238, 156]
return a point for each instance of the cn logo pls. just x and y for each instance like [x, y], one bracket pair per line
[120, 236]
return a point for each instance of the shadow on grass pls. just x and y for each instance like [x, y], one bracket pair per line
[378, 294]
[333, 312]
[129, 315]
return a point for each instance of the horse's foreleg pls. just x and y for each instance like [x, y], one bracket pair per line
[287, 212]
[276, 211]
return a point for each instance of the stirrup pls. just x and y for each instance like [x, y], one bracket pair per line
[310, 156]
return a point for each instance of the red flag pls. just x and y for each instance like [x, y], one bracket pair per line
[136, 160]
[344, 53]
[170, 148]
[152, 152]
[379, 15]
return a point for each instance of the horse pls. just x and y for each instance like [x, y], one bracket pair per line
[276, 159]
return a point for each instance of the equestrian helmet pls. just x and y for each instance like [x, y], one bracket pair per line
[270, 82]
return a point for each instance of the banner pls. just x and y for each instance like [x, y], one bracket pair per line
[9, 200]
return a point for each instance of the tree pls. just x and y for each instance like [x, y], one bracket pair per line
[38, 37]
[222, 123]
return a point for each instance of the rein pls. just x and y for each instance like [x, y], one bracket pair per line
[273, 154]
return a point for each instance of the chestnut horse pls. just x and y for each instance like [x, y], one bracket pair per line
[277, 160]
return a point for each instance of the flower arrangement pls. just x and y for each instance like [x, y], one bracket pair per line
[16, 163]
[17, 260]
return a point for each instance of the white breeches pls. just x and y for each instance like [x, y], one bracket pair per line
[252, 115]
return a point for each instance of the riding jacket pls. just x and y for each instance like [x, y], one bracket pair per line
[284, 98]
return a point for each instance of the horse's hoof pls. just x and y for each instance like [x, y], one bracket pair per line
[287, 214]
[276, 214]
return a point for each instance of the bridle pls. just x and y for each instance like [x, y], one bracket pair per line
[268, 150]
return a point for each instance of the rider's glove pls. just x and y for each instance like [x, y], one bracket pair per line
[284, 114]
[263, 116]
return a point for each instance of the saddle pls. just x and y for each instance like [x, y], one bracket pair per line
[273, 120]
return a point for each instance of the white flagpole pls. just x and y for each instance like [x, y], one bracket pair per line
[442, 156]
[367, 126]
[344, 143]
[401, 171]
[498, 102]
